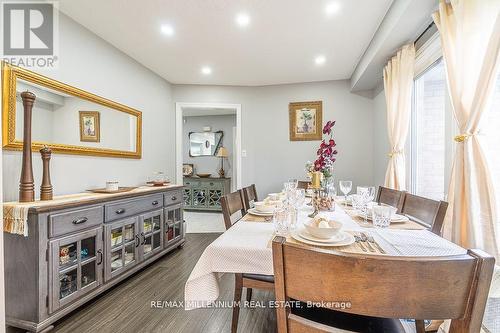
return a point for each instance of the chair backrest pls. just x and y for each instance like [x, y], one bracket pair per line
[390, 197]
[232, 203]
[249, 196]
[454, 287]
[430, 213]
[303, 184]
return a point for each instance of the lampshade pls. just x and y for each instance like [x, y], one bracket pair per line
[222, 152]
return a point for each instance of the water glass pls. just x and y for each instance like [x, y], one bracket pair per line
[382, 216]
[300, 198]
[345, 188]
[281, 221]
[291, 184]
[357, 202]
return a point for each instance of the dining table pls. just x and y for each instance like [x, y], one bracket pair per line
[246, 248]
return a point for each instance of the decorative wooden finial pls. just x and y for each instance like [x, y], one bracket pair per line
[26, 183]
[46, 187]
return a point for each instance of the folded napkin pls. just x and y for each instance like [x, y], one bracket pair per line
[419, 243]
[15, 219]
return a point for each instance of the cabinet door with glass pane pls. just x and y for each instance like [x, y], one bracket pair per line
[121, 243]
[151, 232]
[75, 267]
[173, 225]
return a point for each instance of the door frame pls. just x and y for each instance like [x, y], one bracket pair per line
[179, 106]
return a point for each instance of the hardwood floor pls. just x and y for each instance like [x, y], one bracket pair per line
[127, 306]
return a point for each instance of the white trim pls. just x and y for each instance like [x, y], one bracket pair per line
[428, 54]
[179, 106]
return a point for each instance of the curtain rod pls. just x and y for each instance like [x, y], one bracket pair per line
[423, 32]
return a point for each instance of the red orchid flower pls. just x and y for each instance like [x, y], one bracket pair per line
[328, 127]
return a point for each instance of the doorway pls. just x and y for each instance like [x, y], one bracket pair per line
[202, 129]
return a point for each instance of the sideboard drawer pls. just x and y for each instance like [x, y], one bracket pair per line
[173, 197]
[214, 185]
[191, 183]
[121, 209]
[74, 220]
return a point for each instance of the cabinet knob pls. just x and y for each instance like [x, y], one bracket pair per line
[211, 184]
[120, 211]
[80, 220]
[174, 198]
[155, 203]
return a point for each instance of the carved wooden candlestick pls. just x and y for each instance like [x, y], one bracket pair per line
[26, 184]
[46, 187]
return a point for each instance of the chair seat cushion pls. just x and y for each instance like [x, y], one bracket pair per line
[259, 277]
[350, 322]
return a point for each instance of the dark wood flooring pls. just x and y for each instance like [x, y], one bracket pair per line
[127, 306]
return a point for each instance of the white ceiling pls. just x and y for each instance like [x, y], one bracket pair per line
[278, 46]
[203, 111]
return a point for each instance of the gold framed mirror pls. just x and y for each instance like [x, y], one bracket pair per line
[67, 119]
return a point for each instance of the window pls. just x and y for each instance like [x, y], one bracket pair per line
[490, 137]
[428, 133]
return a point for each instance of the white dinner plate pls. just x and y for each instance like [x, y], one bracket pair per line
[254, 211]
[347, 239]
[304, 234]
[395, 219]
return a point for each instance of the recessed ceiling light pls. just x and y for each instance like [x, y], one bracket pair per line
[206, 70]
[320, 60]
[167, 29]
[242, 19]
[332, 8]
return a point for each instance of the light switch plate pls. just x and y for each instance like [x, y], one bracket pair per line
[243, 153]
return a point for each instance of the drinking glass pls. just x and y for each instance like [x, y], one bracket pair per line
[280, 221]
[382, 216]
[301, 197]
[291, 183]
[345, 187]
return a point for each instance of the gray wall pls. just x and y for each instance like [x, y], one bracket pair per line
[271, 157]
[90, 63]
[381, 145]
[210, 164]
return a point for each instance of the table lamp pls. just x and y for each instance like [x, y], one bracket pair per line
[222, 154]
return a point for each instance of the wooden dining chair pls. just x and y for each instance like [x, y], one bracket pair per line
[427, 212]
[303, 184]
[390, 197]
[361, 293]
[232, 204]
[249, 196]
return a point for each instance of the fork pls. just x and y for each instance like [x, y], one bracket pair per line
[360, 244]
[364, 239]
[372, 240]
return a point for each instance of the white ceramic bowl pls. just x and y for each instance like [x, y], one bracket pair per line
[324, 233]
[264, 207]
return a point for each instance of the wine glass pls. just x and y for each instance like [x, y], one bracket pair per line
[345, 187]
[367, 194]
[293, 183]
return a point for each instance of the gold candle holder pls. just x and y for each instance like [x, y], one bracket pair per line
[316, 186]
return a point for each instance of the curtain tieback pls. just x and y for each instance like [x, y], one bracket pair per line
[394, 153]
[462, 137]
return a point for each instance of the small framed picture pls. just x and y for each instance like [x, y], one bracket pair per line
[89, 126]
[305, 121]
[187, 170]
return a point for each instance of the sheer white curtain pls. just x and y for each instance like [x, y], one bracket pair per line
[470, 39]
[398, 83]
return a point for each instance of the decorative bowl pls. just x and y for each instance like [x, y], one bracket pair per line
[203, 175]
[323, 228]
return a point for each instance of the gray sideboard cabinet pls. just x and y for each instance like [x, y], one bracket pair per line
[75, 251]
[205, 193]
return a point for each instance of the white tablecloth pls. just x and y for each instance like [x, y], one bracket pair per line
[244, 248]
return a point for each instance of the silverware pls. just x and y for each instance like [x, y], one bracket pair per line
[358, 241]
[364, 239]
[372, 240]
